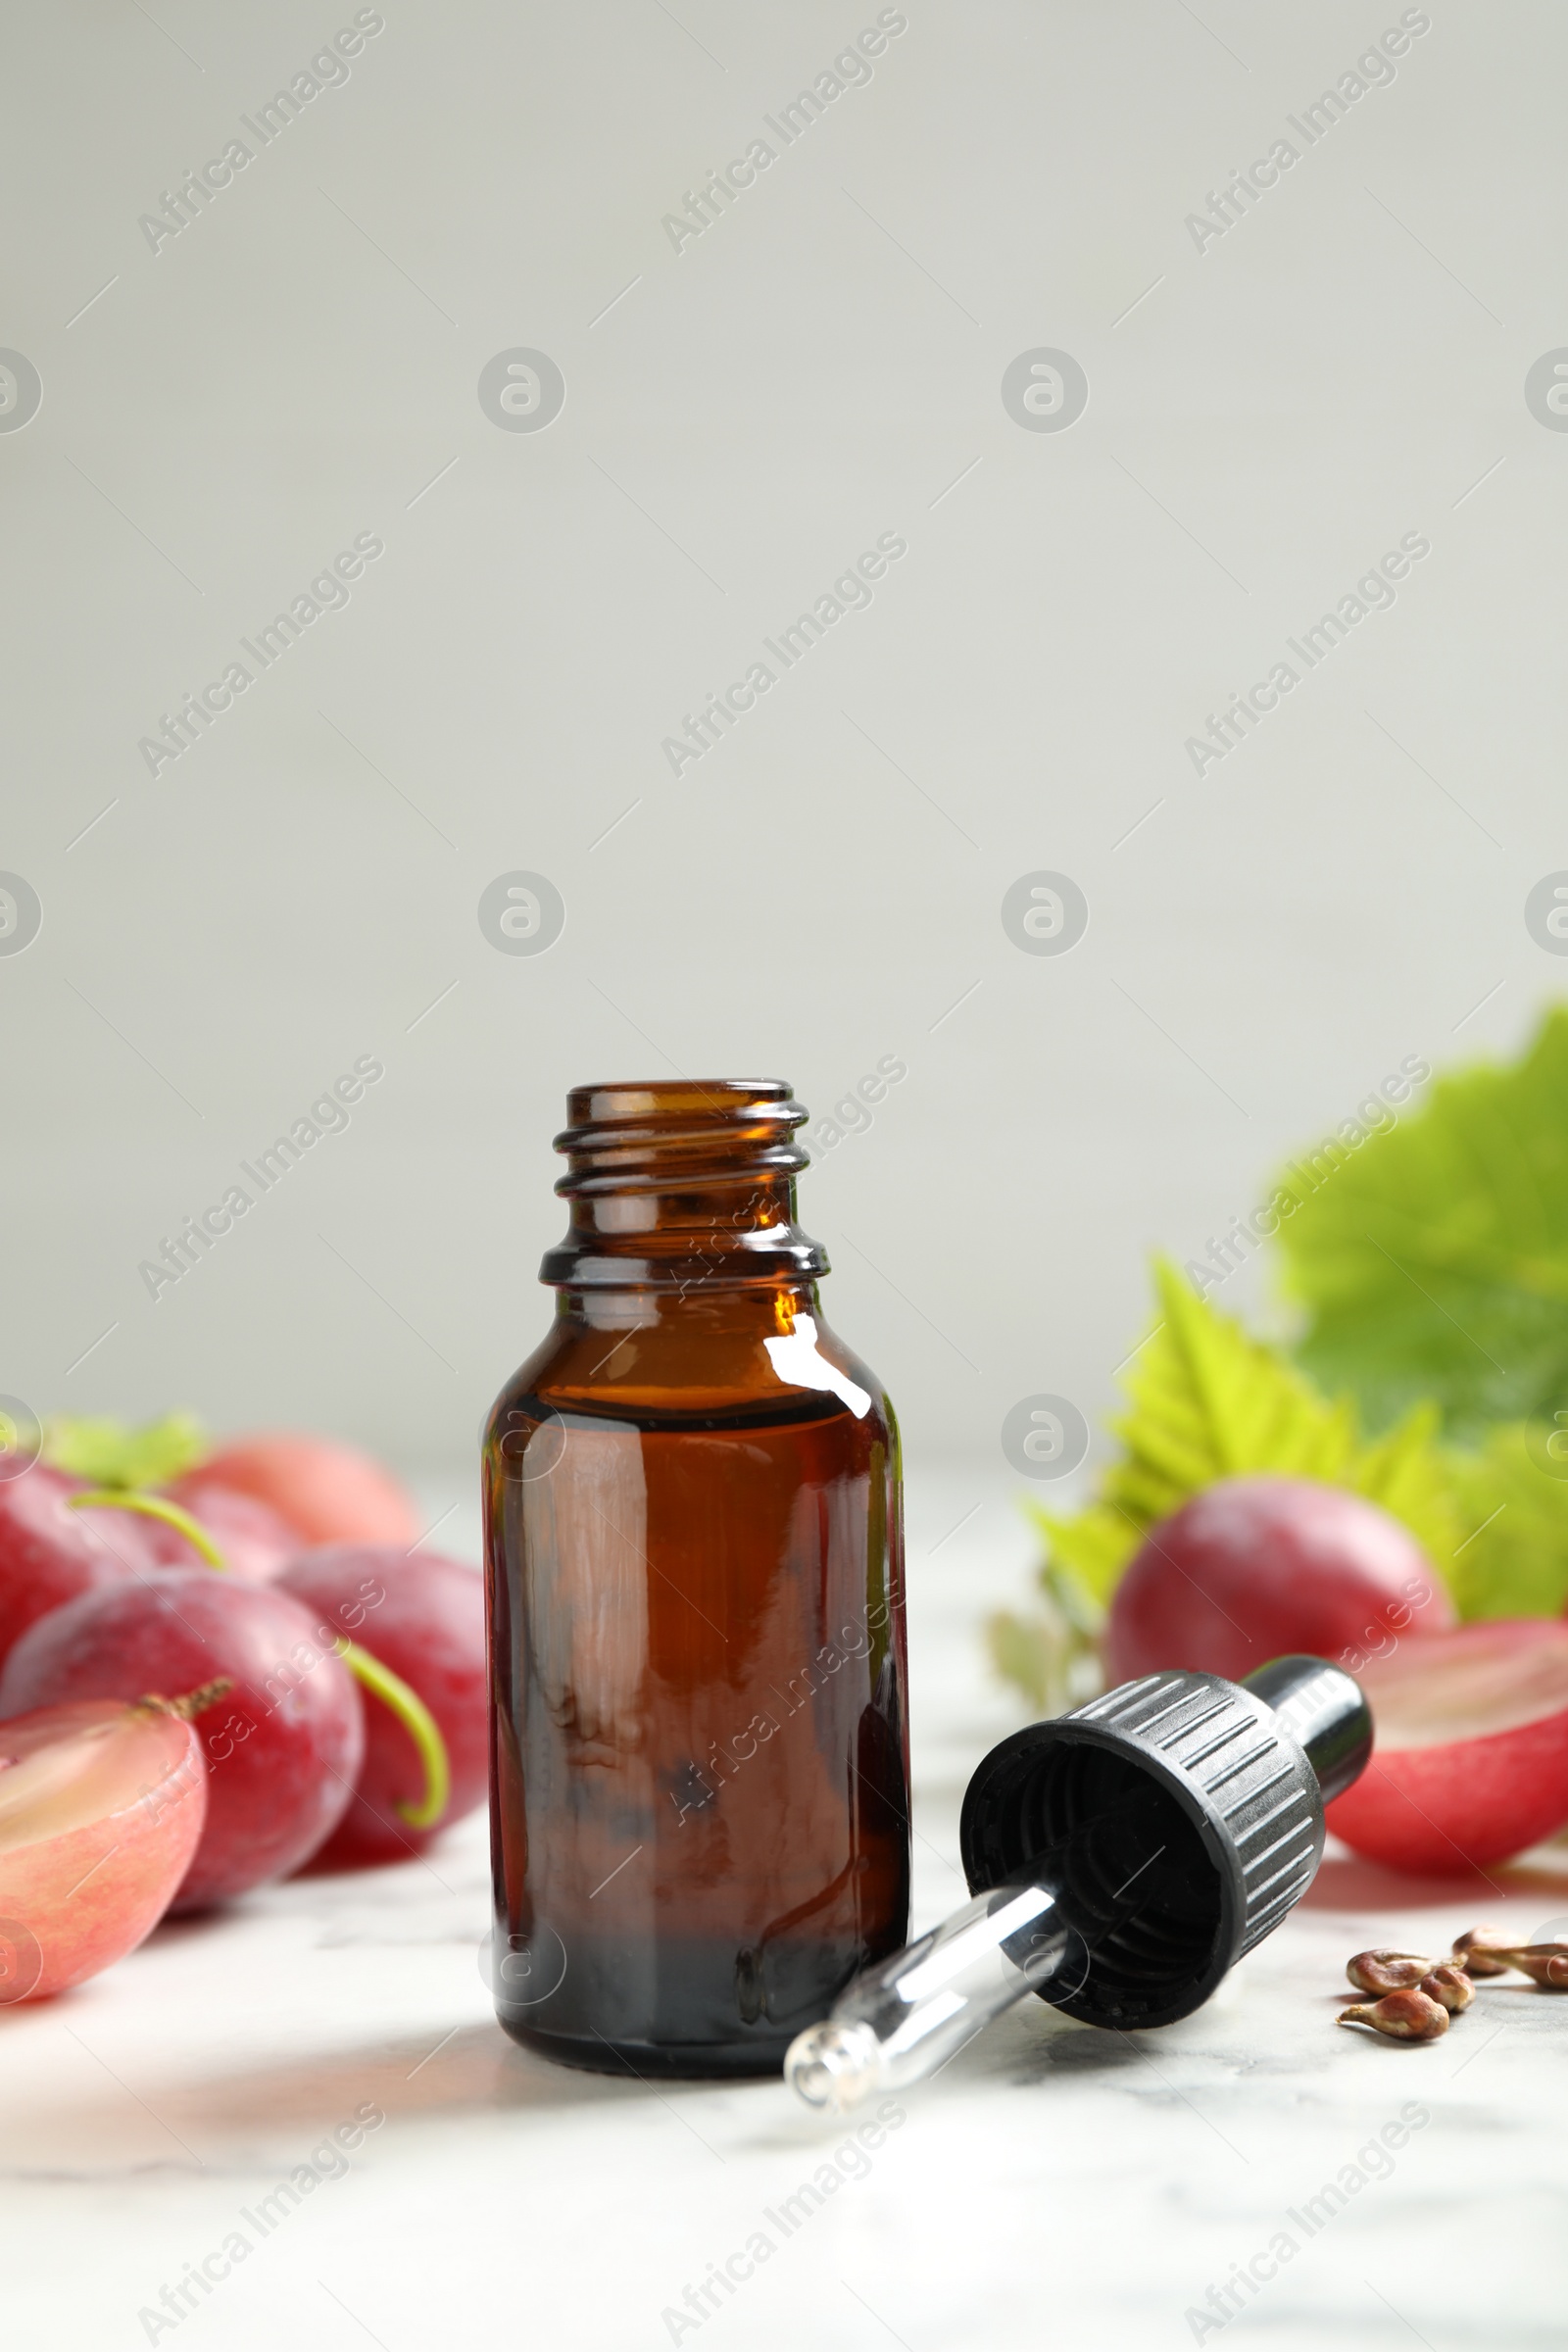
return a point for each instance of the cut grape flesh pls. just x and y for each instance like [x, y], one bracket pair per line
[101, 1806]
[1470, 1756]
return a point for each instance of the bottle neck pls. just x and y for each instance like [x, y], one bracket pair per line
[686, 1189]
[748, 1314]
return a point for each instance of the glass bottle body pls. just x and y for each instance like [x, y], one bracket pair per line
[699, 1745]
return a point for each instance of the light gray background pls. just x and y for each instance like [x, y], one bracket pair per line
[823, 365]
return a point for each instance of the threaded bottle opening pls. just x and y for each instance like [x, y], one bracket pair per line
[626, 1138]
[683, 1182]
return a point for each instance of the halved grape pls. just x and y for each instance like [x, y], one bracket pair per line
[101, 1808]
[1470, 1755]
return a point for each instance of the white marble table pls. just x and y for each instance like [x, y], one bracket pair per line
[1056, 2188]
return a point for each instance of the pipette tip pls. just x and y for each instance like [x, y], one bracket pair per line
[833, 2066]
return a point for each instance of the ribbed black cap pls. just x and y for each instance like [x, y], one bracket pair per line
[1184, 1817]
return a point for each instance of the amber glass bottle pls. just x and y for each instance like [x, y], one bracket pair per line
[693, 1528]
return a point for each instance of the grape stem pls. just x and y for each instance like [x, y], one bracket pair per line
[155, 1506]
[380, 1681]
[416, 1720]
[194, 1703]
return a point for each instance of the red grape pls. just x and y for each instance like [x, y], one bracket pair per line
[101, 1808]
[49, 1552]
[1470, 1754]
[328, 1494]
[253, 1540]
[1254, 1568]
[284, 1747]
[424, 1616]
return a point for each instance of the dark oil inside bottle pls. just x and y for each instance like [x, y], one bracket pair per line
[700, 1812]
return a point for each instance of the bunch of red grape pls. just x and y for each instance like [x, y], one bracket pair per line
[256, 1670]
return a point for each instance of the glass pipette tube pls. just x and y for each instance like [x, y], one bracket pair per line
[906, 2016]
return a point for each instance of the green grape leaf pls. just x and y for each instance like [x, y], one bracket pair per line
[1053, 1655]
[1208, 1402]
[1431, 1258]
[108, 1453]
[1025, 1652]
[1514, 1494]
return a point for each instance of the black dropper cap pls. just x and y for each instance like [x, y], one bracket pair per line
[1184, 1815]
